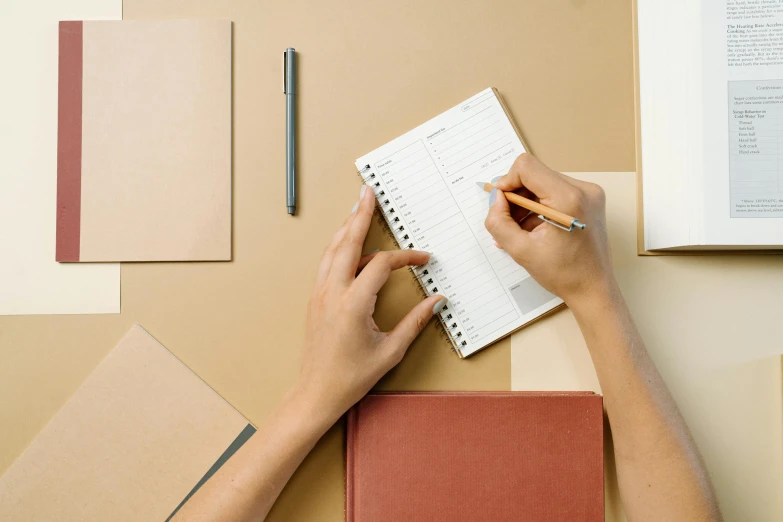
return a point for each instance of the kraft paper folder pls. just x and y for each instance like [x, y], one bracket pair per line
[144, 141]
[140, 435]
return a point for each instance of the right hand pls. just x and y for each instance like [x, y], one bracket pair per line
[571, 265]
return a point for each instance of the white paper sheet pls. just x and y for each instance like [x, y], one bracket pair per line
[31, 281]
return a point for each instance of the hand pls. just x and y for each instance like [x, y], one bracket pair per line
[345, 353]
[573, 265]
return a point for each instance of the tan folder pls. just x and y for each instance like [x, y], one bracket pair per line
[144, 141]
[136, 439]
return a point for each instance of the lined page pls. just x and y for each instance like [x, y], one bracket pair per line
[425, 182]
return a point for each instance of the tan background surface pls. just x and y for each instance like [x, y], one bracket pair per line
[369, 71]
[712, 326]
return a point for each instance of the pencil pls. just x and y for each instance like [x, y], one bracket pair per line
[552, 216]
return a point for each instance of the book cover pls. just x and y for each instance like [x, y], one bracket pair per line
[475, 456]
[144, 141]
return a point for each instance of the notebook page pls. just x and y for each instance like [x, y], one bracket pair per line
[425, 182]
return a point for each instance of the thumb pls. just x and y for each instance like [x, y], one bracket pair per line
[504, 229]
[412, 324]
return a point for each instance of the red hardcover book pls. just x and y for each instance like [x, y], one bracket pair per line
[475, 456]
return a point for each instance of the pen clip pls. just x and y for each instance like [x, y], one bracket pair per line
[574, 224]
[289, 72]
[285, 70]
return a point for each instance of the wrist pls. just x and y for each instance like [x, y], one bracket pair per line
[602, 295]
[311, 407]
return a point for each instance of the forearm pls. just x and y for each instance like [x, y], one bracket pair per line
[659, 470]
[246, 487]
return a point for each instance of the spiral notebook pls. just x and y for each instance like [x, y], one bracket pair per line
[425, 184]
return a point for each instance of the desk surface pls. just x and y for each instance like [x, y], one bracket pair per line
[368, 71]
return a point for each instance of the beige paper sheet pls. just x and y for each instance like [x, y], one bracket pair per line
[156, 141]
[130, 444]
[31, 281]
[712, 326]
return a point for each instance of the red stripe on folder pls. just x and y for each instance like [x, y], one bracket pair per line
[69, 142]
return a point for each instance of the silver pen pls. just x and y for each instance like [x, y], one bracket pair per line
[289, 88]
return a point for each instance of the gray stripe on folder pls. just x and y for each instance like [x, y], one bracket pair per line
[243, 436]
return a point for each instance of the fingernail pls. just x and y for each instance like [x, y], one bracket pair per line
[374, 251]
[495, 180]
[497, 245]
[362, 191]
[492, 196]
[439, 306]
[355, 206]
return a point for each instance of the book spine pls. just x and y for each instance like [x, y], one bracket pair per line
[69, 142]
[390, 220]
[350, 455]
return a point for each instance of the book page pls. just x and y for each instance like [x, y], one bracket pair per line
[743, 122]
[425, 182]
[669, 59]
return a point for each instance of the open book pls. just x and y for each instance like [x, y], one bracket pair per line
[425, 184]
[710, 90]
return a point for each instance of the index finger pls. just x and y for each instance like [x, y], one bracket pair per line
[349, 251]
[527, 171]
[377, 271]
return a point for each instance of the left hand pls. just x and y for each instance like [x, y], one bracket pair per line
[345, 352]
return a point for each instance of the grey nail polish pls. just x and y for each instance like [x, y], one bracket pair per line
[439, 306]
[374, 251]
[362, 191]
[492, 196]
[355, 206]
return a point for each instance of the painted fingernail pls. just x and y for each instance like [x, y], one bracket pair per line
[492, 196]
[355, 206]
[495, 180]
[362, 191]
[497, 245]
[439, 306]
[374, 251]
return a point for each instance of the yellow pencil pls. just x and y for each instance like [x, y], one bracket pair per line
[551, 216]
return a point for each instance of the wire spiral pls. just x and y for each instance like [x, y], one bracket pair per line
[394, 228]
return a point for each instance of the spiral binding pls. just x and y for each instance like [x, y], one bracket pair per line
[394, 227]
